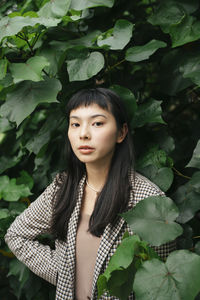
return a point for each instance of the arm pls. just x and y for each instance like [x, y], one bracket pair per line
[21, 236]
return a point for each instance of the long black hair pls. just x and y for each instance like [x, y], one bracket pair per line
[114, 196]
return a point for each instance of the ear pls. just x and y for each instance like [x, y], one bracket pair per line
[122, 133]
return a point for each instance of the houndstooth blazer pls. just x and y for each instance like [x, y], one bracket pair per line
[58, 265]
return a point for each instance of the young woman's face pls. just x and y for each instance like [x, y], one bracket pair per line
[93, 134]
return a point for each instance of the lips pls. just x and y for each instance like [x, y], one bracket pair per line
[85, 148]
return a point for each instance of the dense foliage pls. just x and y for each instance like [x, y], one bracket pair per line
[148, 52]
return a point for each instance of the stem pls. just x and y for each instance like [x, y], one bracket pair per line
[115, 65]
[35, 40]
[24, 38]
[180, 174]
[45, 72]
[196, 237]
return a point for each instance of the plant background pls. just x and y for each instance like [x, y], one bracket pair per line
[147, 51]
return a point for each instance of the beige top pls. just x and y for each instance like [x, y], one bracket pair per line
[86, 251]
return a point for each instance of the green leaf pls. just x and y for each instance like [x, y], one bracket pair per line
[83, 4]
[119, 275]
[194, 182]
[153, 156]
[4, 181]
[185, 32]
[190, 68]
[118, 37]
[10, 191]
[171, 81]
[197, 248]
[5, 125]
[195, 160]
[178, 278]
[148, 112]
[162, 177]
[167, 14]
[31, 70]
[190, 6]
[27, 95]
[187, 198]
[16, 208]
[11, 26]
[26, 179]
[20, 270]
[153, 220]
[127, 97]
[4, 213]
[3, 68]
[83, 68]
[139, 53]
[7, 162]
[44, 135]
[87, 40]
[120, 261]
[55, 9]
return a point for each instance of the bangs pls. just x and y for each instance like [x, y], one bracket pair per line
[88, 97]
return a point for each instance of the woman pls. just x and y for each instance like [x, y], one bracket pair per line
[82, 205]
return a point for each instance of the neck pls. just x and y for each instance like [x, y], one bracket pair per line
[96, 177]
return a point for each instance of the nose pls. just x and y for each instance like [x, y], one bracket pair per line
[84, 132]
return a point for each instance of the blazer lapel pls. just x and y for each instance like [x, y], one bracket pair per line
[107, 240]
[67, 263]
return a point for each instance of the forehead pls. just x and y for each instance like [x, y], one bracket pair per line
[90, 110]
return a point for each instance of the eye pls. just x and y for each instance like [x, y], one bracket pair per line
[75, 125]
[98, 124]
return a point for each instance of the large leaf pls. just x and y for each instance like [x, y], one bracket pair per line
[55, 9]
[148, 112]
[31, 70]
[127, 97]
[166, 14]
[4, 213]
[153, 220]
[43, 136]
[83, 68]
[139, 53]
[20, 270]
[153, 156]
[171, 81]
[26, 179]
[118, 37]
[187, 198]
[190, 68]
[10, 191]
[195, 160]
[118, 276]
[185, 32]
[156, 165]
[11, 26]
[83, 4]
[3, 68]
[27, 95]
[161, 176]
[178, 278]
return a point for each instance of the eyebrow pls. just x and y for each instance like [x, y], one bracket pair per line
[91, 117]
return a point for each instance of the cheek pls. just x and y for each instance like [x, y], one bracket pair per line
[109, 138]
[71, 138]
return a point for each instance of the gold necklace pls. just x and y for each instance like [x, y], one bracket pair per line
[97, 192]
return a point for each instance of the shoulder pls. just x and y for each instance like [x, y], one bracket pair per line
[142, 187]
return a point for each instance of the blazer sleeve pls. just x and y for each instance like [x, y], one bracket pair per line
[21, 236]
